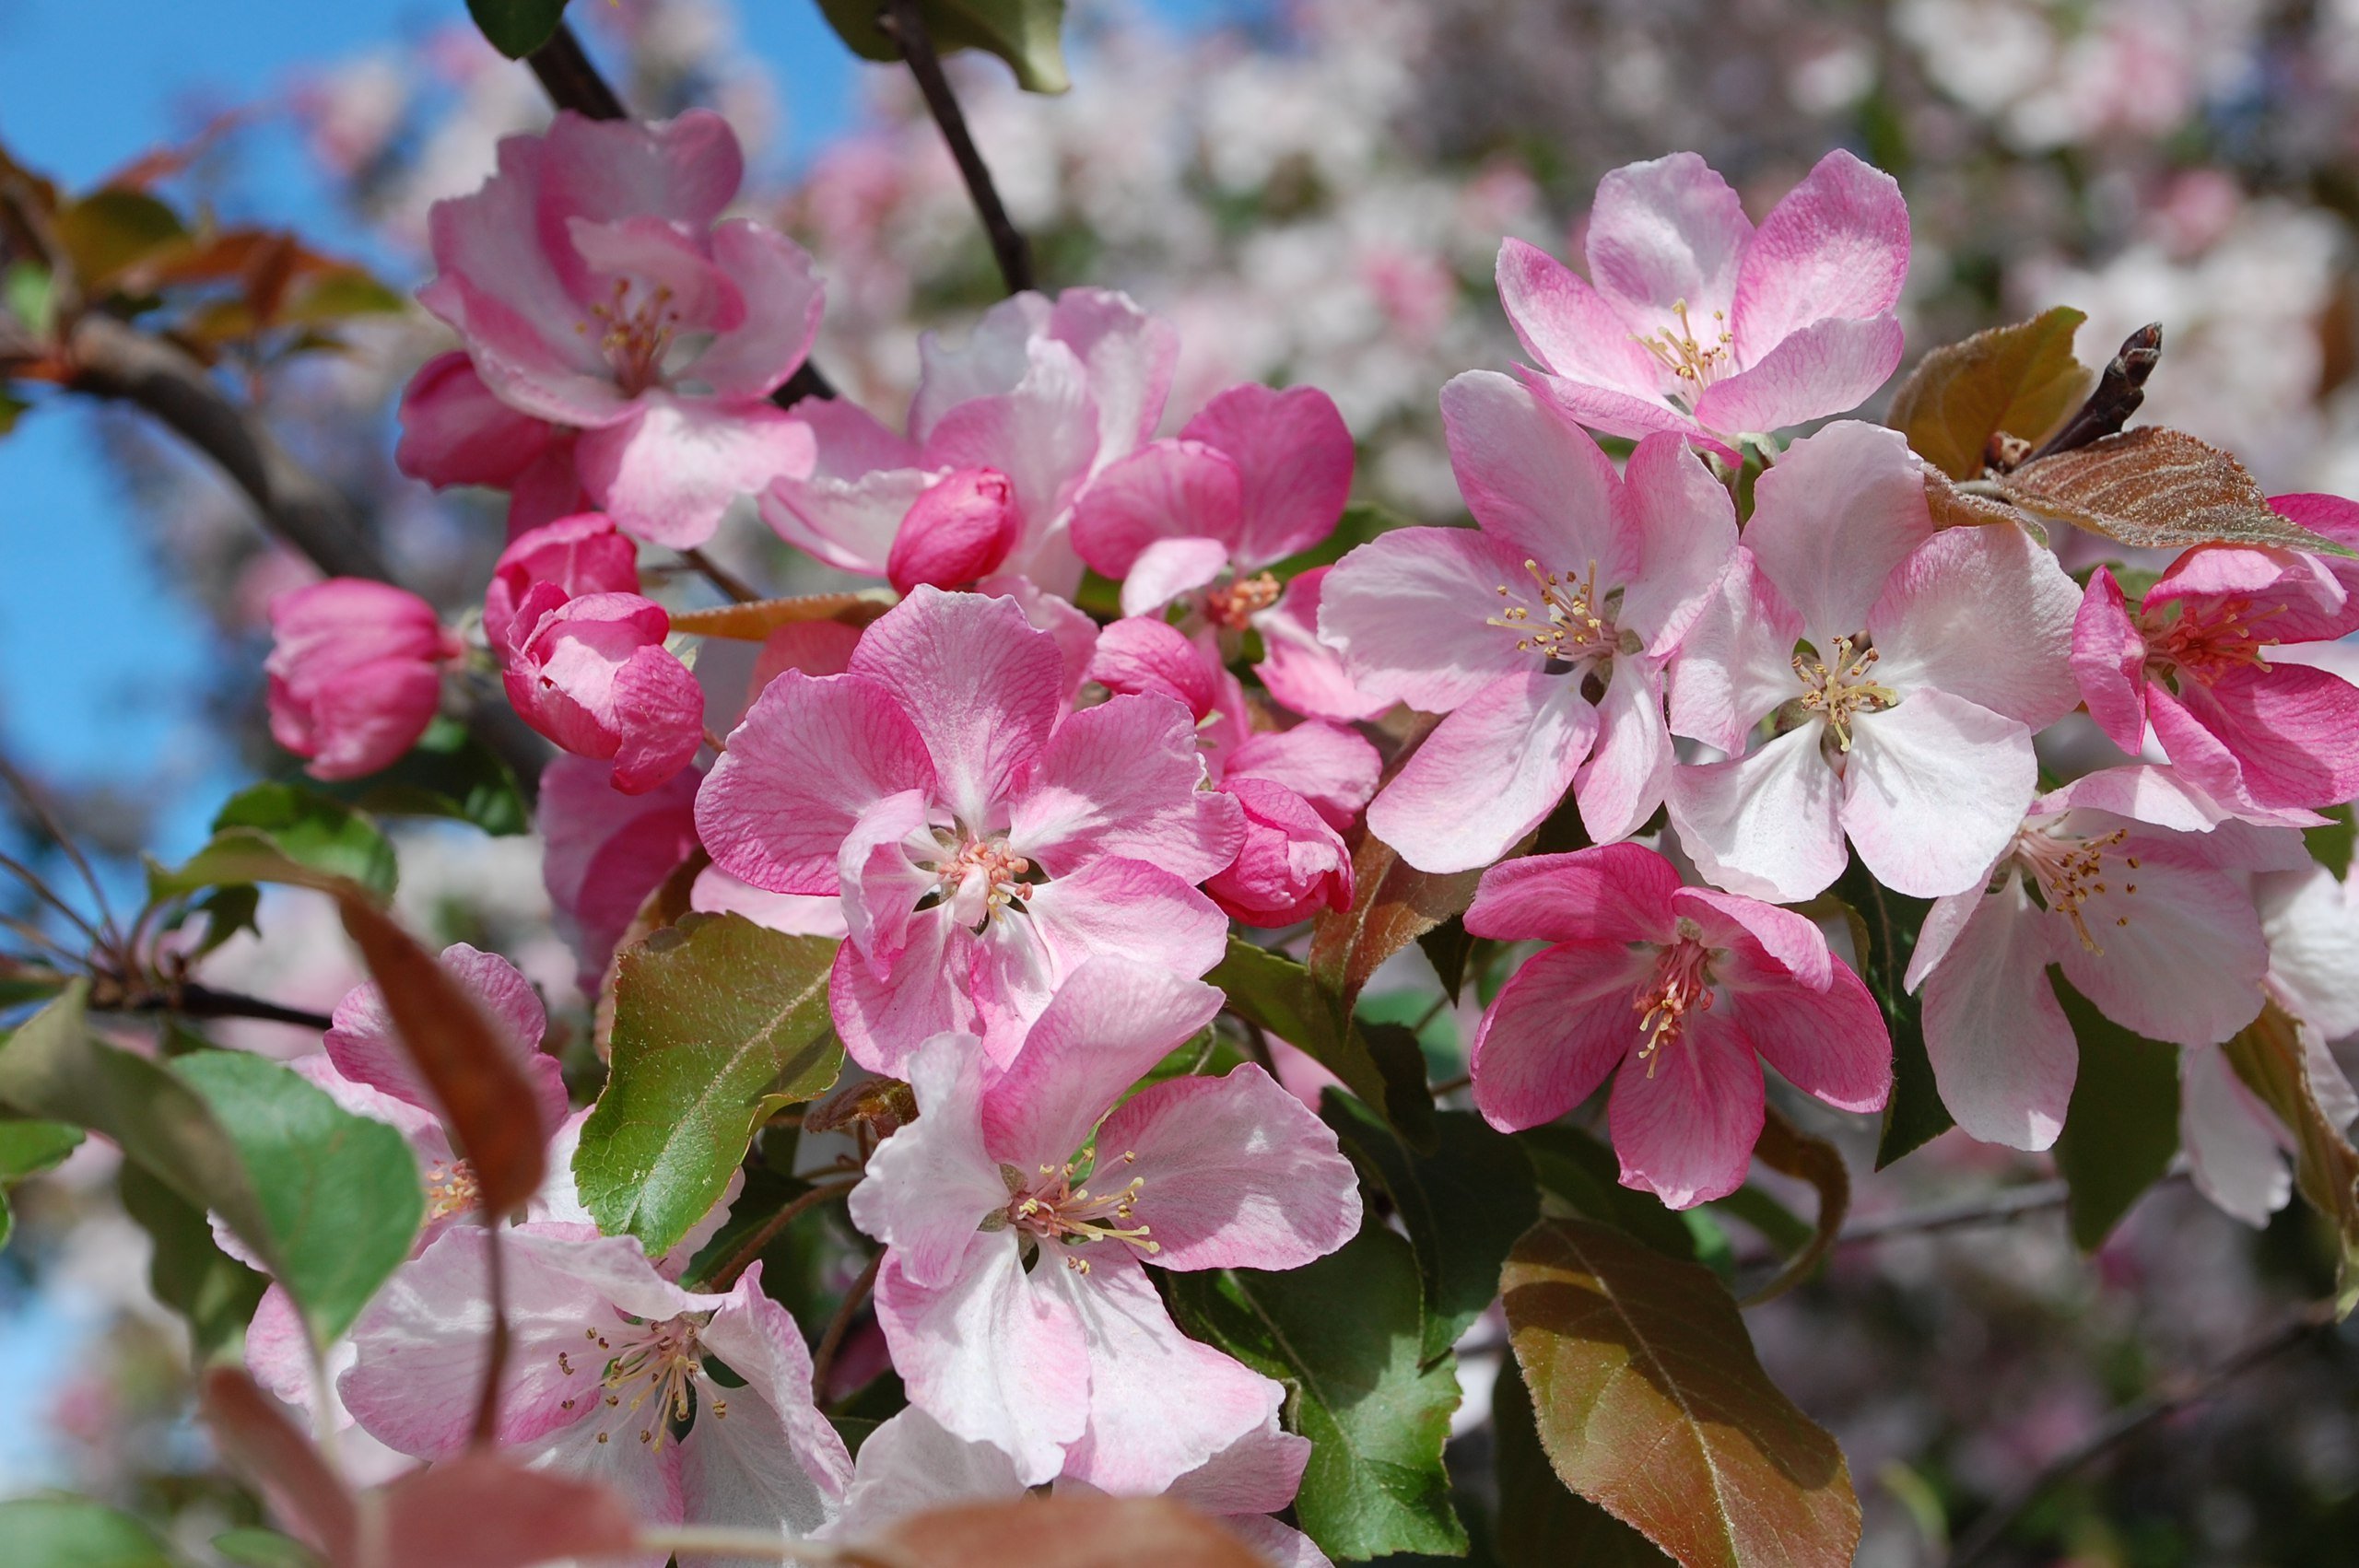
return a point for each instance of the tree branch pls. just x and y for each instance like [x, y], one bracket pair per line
[905, 25]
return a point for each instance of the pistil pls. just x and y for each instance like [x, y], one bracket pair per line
[1681, 984]
[1052, 1209]
[2206, 643]
[666, 1357]
[634, 338]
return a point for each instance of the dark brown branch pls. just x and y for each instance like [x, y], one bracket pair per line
[2119, 392]
[720, 577]
[904, 24]
[191, 999]
[2127, 1421]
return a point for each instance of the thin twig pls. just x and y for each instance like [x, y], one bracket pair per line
[1450, 1085]
[823, 1359]
[41, 938]
[194, 1001]
[1994, 1522]
[495, 1363]
[905, 25]
[1977, 1209]
[63, 840]
[743, 1258]
[722, 578]
[48, 895]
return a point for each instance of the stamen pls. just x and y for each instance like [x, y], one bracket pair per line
[635, 338]
[2068, 872]
[1840, 688]
[1579, 624]
[1692, 361]
[1054, 1210]
[657, 1366]
[1682, 984]
[2206, 642]
[1234, 604]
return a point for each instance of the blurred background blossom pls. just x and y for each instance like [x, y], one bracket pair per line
[1311, 192]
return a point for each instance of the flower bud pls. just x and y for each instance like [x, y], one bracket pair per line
[960, 529]
[582, 553]
[1291, 865]
[593, 674]
[355, 675]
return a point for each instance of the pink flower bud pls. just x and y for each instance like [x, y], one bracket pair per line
[356, 673]
[1292, 863]
[1140, 653]
[960, 530]
[591, 674]
[582, 553]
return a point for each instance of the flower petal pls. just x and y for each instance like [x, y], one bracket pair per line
[666, 474]
[772, 1462]
[1765, 825]
[1685, 1121]
[1410, 615]
[1294, 465]
[1300, 671]
[1168, 489]
[2237, 1148]
[1622, 783]
[2180, 952]
[2002, 1052]
[1534, 480]
[1488, 775]
[1827, 367]
[931, 1184]
[1684, 525]
[1933, 789]
[1666, 232]
[1835, 246]
[1832, 1044]
[1568, 328]
[784, 298]
[1735, 662]
[1120, 778]
[1832, 520]
[1169, 568]
[1609, 893]
[1555, 1030]
[1984, 614]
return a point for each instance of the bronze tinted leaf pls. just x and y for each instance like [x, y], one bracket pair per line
[1651, 1404]
[2154, 487]
[1951, 507]
[2020, 381]
[754, 622]
[1393, 904]
[1788, 1151]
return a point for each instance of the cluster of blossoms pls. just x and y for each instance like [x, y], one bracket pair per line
[1030, 827]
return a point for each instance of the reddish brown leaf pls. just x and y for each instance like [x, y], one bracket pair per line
[1064, 1532]
[1954, 508]
[1788, 1151]
[2018, 380]
[754, 622]
[486, 1101]
[479, 1510]
[1393, 904]
[1651, 1404]
[279, 1461]
[2158, 487]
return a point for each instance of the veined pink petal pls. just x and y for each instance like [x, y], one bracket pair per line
[1294, 465]
[1685, 1119]
[1765, 825]
[1769, 948]
[773, 1462]
[993, 360]
[881, 884]
[604, 851]
[1835, 246]
[1825, 368]
[1333, 768]
[1569, 330]
[1831, 1045]
[1932, 790]
[2002, 1052]
[2293, 730]
[1735, 663]
[455, 432]
[1984, 614]
[659, 709]
[1111, 906]
[2180, 958]
[1614, 412]
[1685, 527]
[1141, 653]
[1130, 356]
[366, 1047]
[1169, 568]
[1832, 520]
[1622, 781]
[1410, 615]
[929, 1186]
[716, 892]
[1301, 671]
[807, 759]
[923, 992]
[1121, 780]
[1259, 1473]
[1555, 1030]
[1488, 775]
[864, 479]
[2109, 662]
[1168, 489]
[1610, 893]
[1535, 481]
[1666, 232]
[2200, 756]
[1043, 434]
[667, 473]
[1291, 865]
[684, 170]
[784, 298]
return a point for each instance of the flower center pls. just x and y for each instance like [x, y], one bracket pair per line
[451, 1190]
[1695, 362]
[1681, 983]
[1233, 604]
[655, 1366]
[1579, 620]
[634, 333]
[1049, 1207]
[981, 877]
[2205, 643]
[2069, 871]
[1839, 688]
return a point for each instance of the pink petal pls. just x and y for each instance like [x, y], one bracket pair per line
[1410, 615]
[1534, 480]
[2109, 662]
[1488, 775]
[1140, 653]
[1259, 1473]
[1685, 527]
[994, 360]
[1111, 1020]
[881, 880]
[1825, 368]
[2311, 924]
[1121, 778]
[455, 432]
[958, 530]
[1985, 613]
[994, 1355]
[659, 709]
[1768, 947]
[715, 891]
[359, 720]
[1125, 908]
[1130, 356]
[1568, 330]
[1166, 490]
[2333, 516]
[815, 648]
[1554, 1031]
[808, 758]
[2002, 1052]
[1832, 520]
[1622, 783]
[1301, 671]
[2235, 1148]
[1831, 1045]
[1294, 465]
[1238, 1174]
[910, 1464]
[773, 1462]
[1169, 569]
[1291, 865]
[1614, 412]
[684, 170]
[1933, 790]
[1666, 232]
[882, 1017]
[1943, 924]
[2198, 755]
[367, 1048]
[931, 1184]
[2294, 730]
[667, 473]
[1160, 1403]
[1610, 893]
[1685, 1121]
[1333, 768]
[1765, 825]
[2292, 596]
[863, 480]
[1836, 246]
[604, 851]
[1735, 662]
[1042, 435]
[977, 681]
[2181, 958]
[784, 297]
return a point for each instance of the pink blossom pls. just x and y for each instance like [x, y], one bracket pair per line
[2131, 886]
[958, 530]
[582, 554]
[593, 674]
[597, 289]
[604, 852]
[1291, 865]
[1300, 671]
[1904, 669]
[454, 431]
[2221, 659]
[1578, 581]
[356, 673]
[1012, 1292]
[1692, 321]
[607, 1360]
[1044, 394]
[982, 842]
[1679, 987]
[1257, 475]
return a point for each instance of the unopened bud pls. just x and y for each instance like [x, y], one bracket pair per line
[959, 530]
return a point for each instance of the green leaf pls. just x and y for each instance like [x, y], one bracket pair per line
[1883, 928]
[516, 28]
[1541, 1523]
[27, 293]
[109, 230]
[1344, 1335]
[27, 1148]
[1379, 1062]
[718, 1023]
[340, 1192]
[2122, 1127]
[448, 773]
[315, 830]
[1582, 1173]
[1464, 1206]
[1022, 32]
[254, 1548]
[12, 409]
[1651, 1404]
[1448, 947]
[2020, 379]
[67, 1532]
[2275, 1056]
[188, 1271]
[2330, 845]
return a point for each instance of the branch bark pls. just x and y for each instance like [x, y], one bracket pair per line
[905, 24]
